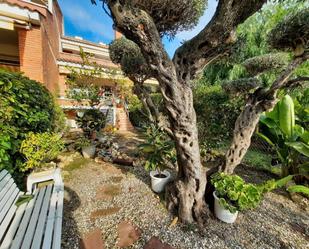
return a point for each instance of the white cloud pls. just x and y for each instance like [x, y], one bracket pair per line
[211, 8]
[82, 19]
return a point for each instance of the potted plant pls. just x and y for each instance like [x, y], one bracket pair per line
[91, 122]
[233, 194]
[158, 151]
[87, 148]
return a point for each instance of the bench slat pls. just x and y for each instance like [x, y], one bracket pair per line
[9, 236]
[36, 224]
[10, 202]
[3, 173]
[24, 223]
[4, 180]
[6, 199]
[3, 189]
[9, 216]
[33, 221]
[58, 222]
[38, 236]
[50, 220]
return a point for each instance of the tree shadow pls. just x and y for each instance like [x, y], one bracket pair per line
[70, 233]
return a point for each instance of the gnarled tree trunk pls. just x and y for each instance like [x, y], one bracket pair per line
[244, 128]
[174, 77]
[260, 101]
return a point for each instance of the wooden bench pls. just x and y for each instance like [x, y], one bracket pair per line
[35, 224]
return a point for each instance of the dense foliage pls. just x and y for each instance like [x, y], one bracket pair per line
[236, 195]
[25, 106]
[83, 83]
[38, 148]
[292, 32]
[289, 139]
[158, 149]
[216, 114]
[91, 120]
[218, 93]
[171, 16]
[129, 56]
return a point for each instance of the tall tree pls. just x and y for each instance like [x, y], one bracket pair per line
[133, 64]
[145, 22]
[290, 34]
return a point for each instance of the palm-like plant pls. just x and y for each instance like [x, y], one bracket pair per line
[290, 140]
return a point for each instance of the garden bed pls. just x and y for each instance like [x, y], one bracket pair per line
[103, 195]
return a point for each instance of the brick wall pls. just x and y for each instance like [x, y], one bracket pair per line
[51, 26]
[62, 85]
[30, 52]
[39, 49]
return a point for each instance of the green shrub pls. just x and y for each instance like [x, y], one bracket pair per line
[138, 116]
[91, 120]
[158, 149]
[81, 143]
[236, 195]
[39, 148]
[216, 114]
[25, 106]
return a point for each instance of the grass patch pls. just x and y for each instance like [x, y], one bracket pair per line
[76, 164]
[258, 159]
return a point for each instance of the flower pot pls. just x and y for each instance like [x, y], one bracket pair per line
[223, 214]
[158, 182]
[89, 151]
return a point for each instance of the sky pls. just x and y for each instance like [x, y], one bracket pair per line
[90, 22]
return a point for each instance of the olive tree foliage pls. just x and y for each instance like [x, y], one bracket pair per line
[144, 26]
[133, 64]
[265, 98]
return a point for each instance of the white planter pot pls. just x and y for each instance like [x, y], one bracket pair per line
[89, 151]
[223, 214]
[102, 139]
[157, 183]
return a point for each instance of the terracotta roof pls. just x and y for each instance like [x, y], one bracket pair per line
[84, 42]
[74, 58]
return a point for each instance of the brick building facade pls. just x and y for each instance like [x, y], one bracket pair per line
[32, 41]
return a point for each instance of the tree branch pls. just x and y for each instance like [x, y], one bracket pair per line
[281, 81]
[216, 38]
[296, 82]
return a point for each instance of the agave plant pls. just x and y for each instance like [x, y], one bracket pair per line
[290, 140]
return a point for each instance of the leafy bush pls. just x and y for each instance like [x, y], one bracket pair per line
[25, 106]
[236, 195]
[158, 149]
[216, 114]
[138, 116]
[40, 147]
[91, 120]
[81, 143]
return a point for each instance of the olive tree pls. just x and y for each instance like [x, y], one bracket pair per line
[145, 23]
[291, 34]
[133, 64]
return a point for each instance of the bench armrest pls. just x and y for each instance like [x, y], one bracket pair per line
[34, 178]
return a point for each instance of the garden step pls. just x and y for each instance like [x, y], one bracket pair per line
[107, 191]
[155, 243]
[103, 212]
[92, 240]
[128, 234]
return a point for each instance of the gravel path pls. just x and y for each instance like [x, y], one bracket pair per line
[102, 195]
